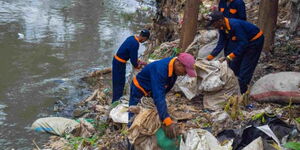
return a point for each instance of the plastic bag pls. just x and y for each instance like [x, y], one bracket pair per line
[199, 139]
[215, 80]
[119, 114]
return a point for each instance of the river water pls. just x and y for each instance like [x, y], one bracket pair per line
[46, 46]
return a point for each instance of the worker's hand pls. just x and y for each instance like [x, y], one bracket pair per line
[171, 130]
[210, 57]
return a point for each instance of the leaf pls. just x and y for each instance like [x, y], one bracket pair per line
[257, 116]
[292, 145]
[115, 104]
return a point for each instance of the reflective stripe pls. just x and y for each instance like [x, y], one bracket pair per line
[136, 83]
[136, 38]
[120, 59]
[258, 35]
[222, 9]
[233, 11]
[227, 23]
[171, 67]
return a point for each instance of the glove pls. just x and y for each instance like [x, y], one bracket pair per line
[210, 57]
[171, 130]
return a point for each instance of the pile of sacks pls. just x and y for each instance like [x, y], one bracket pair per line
[215, 81]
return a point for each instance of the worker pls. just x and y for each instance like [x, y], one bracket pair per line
[243, 49]
[128, 50]
[156, 80]
[233, 9]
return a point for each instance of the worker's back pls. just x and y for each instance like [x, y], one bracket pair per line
[160, 70]
[236, 9]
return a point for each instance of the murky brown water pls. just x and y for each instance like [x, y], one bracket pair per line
[45, 47]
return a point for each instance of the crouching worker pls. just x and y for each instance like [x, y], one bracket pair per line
[242, 43]
[156, 80]
[128, 50]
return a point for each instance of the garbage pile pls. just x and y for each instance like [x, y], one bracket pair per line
[227, 127]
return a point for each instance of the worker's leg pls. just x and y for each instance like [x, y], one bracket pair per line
[135, 97]
[235, 65]
[249, 63]
[118, 79]
[236, 62]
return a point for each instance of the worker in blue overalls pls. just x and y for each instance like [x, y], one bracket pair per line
[128, 50]
[233, 9]
[156, 80]
[244, 48]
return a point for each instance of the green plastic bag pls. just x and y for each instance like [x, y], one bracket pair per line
[166, 143]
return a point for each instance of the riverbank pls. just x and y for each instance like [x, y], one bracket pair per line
[164, 42]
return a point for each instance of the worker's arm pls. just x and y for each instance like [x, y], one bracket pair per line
[159, 96]
[241, 10]
[133, 50]
[242, 41]
[219, 47]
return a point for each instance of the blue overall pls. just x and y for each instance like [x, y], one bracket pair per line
[235, 9]
[156, 79]
[245, 42]
[128, 50]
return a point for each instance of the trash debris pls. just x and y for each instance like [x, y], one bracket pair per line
[61, 126]
[203, 43]
[21, 36]
[119, 114]
[257, 144]
[215, 81]
[166, 143]
[199, 139]
[146, 123]
[272, 129]
[84, 129]
[277, 87]
[55, 125]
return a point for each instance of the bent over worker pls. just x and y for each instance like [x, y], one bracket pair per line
[243, 49]
[156, 80]
[233, 9]
[128, 50]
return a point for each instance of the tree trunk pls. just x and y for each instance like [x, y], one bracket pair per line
[189, 27]
[295, 16]
[268, 12]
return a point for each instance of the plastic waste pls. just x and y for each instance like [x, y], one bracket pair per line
[164, 142]
[119, 114]
[257, 144]
[21, 36]
[199, 139]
